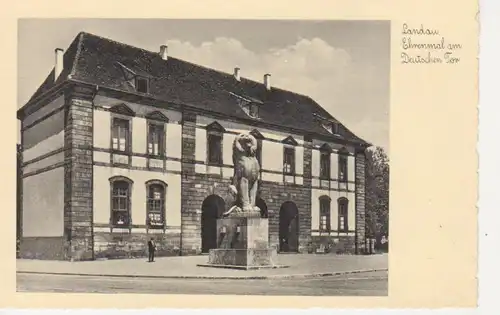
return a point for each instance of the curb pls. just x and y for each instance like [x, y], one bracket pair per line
[270, 277]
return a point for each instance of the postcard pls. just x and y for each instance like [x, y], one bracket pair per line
[241, 155]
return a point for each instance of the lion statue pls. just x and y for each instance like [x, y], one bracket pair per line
[246, 174]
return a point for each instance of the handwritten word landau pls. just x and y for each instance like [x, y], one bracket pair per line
[407, 30]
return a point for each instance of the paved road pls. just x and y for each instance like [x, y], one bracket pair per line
[366, 284]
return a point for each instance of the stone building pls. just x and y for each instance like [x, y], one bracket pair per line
[120, 144]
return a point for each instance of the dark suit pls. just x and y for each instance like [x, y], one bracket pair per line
[151, 249]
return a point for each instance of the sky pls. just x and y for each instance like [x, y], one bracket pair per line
[342, 65]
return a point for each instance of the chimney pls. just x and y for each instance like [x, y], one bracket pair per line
[164, 52]
[267, 81]
[237, 73]
[59, 65]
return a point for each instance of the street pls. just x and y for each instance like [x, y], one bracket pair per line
[360, 284]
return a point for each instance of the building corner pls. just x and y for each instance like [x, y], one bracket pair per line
[360, 173]
[78, 173]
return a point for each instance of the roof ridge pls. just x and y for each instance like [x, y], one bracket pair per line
[77, 54]
[191, 63]
[116, 42]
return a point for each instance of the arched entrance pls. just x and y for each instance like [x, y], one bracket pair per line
[259, 202]
[289, 227]
[212, 208]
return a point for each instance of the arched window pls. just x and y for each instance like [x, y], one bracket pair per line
[343, 204]
[324, 214]
[121, 190]
[156, 192]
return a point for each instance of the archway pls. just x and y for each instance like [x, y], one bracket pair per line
[259, 202]
[212, 208]
[289, 227]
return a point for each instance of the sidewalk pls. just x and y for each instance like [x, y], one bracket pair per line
[301, 265]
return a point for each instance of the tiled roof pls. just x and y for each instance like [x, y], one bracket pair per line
[99, 61]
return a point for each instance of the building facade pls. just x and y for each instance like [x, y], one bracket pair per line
[121, 144]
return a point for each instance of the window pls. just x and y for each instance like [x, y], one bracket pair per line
[342, 168]
[249, 105]
[335, 128]
[215, 132]
[156, 139]
[214, 148]
[331, 127]
[156, 205]
[342, 208]
[120, 135]
[324, 214]
[325, 165]
[289, 144]
[289, 160]
[141, 85]
[120, 202]
[253, 110]
[258, 153]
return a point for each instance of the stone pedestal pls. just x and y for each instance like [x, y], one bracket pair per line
[243, 243]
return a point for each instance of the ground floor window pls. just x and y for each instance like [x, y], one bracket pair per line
[324, 214]
[342, 210]
[120, 201]
[156, 204]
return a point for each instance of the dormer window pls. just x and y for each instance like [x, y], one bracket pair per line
[141, 84]
[249, 105]
[251, 109]
[136, 78]
[331, 127]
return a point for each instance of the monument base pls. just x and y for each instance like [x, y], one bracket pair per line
[246, 259]
[242, 244]
[242, 257]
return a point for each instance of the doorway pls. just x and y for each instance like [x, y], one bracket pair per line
[212, 209]
[289, 227]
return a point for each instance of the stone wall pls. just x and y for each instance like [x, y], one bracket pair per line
[133, 245]
[333, 244]
[197, 187]
[191, 207]
[274, 196]
[78, 138]
[360, 164]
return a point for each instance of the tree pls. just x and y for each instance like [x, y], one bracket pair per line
[377, 193]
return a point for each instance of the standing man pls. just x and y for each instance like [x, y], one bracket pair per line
[152, 249]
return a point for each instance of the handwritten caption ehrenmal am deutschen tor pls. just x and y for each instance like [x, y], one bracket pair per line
[423, 45]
